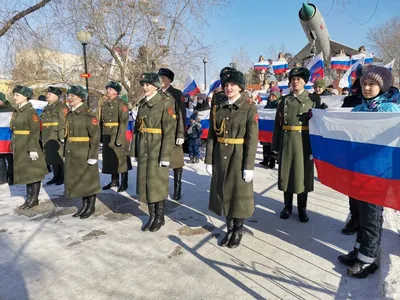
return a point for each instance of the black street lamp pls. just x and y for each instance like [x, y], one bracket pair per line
[84, 38]
[205, 61]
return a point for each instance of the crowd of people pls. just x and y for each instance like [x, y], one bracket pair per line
[71, 134]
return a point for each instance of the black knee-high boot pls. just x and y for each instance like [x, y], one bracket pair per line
[55, 175]
[83, 208]
[302, 206]
[229, 227]
[152, 216]
[237, 233]
[159, 220]
[114, 182]
[90, 207]
[34, 198]
[287, 210]
[28, 195]
[124, 182]
[177, 183]
[60, 175]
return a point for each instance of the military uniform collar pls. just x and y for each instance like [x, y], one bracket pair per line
[25, 107]
[81, 109]
[238, 103]
[112, 101]
[303, 96]
[168, 89]
[153, 101]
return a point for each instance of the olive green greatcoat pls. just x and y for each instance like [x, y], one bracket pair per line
[180, 126]
[27, 170]
[53, 123]
[151, 148]
[230, 195]
[115, 144]
[296, 169]
[81, 179]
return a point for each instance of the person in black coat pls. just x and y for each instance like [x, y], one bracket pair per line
[202, 103]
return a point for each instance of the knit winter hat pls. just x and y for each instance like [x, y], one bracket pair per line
[275, 88]
[319, 83]
[381, 75]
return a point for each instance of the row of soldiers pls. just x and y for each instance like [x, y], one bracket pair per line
[70, 138]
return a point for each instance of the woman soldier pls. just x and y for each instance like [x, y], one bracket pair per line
[291, 139]
[82, 139]
[53, 123]
[231, 151]
[29, 165]
[152, 146]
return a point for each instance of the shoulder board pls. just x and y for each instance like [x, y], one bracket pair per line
[164, 95]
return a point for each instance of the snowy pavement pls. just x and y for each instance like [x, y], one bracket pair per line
[47, 254]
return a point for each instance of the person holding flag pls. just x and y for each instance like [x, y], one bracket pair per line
[375, 84]
[29, 164]
[6, 169]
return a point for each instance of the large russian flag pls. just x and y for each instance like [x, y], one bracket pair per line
[280, 66]
[340, 63]
[190, 86]
[262, 65]
[5, 132]
[358, 154]
[316, 67]
[266, 120]
[204, 117]
[215, 83]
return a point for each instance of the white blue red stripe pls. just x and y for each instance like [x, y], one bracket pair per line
[346, 81]
[368, 58]
[280, 66]
[358, 154]
[390, 65]
[190, 86]
[316, 67]
[340, 63]
[262, 65]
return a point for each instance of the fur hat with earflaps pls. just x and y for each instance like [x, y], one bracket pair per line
[150, 78]
[235, 77]
[55, 91]
[79, 91]
[115, 86]
[300, 72]
[23, 90]
[167, 73]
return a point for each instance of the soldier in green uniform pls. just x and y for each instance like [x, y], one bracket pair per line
[291, 139]
[114, 119]
[231, 151]
[177, 163]
[53, 123]
[219, 94]
[29, 165]
[82, 140]
[6, 169]
[152, 146]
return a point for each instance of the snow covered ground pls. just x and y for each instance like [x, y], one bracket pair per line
[47, 254]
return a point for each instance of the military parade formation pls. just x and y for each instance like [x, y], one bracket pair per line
[71, 134]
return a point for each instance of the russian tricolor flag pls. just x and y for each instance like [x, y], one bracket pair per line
[368, 58]
[340, 63]
[390, 65]
[316, 67]
[204, 117]
[350, 73]
[215, 83]
[280, 66]
[262, 65]
[190, 86]
[358, 154]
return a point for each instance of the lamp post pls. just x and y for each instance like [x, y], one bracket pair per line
[205, 61]
[84, 38]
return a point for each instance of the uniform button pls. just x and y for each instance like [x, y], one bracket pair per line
[285, 114]
[285, 130]
[299, 130]
[226, 131]
[285, 105]
[300, 122]
[302, 104]
[145, 141]
[285, 122]
[225, 157]
[145, 154]
[227, 118]
[69, 151]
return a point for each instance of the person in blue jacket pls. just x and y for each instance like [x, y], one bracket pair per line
[376, 97]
